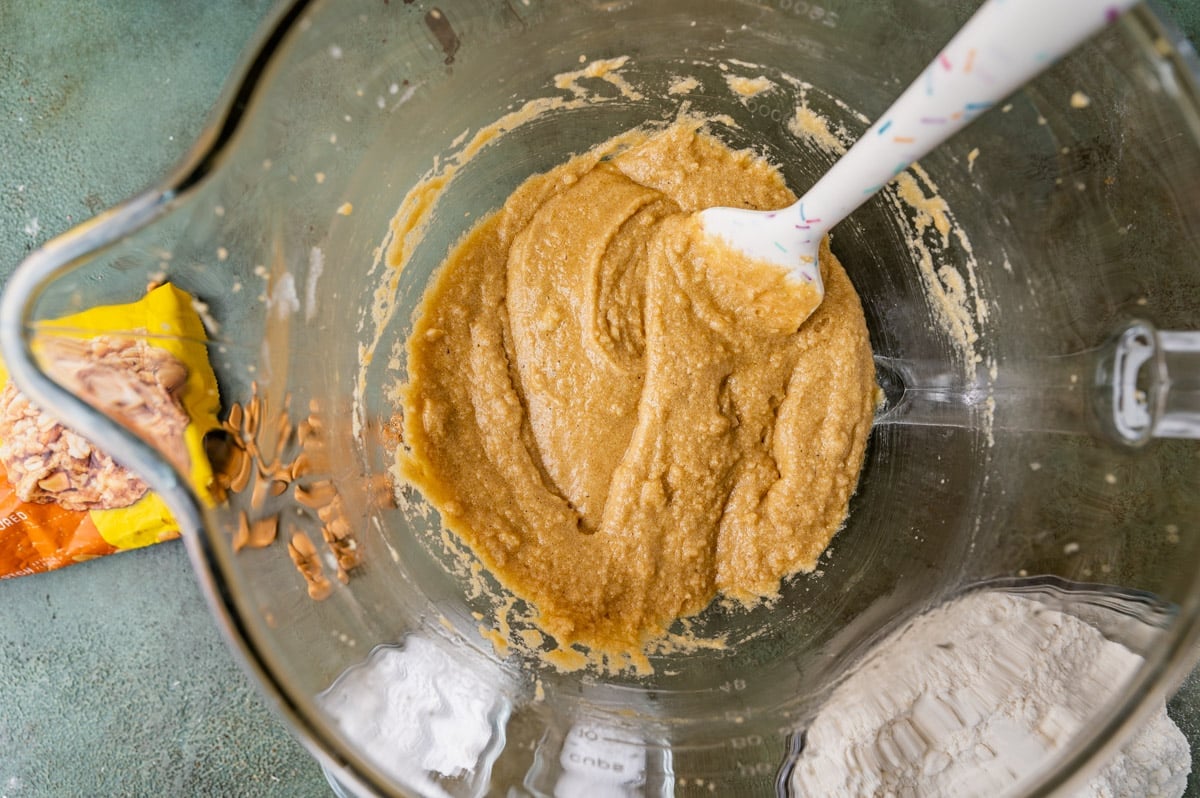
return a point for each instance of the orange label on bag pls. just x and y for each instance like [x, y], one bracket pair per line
[42, 537]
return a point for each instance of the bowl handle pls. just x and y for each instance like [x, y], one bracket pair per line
[1152, 380]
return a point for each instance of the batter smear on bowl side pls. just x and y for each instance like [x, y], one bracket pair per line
[618, 420]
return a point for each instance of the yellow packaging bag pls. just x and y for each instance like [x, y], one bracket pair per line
[62, 500]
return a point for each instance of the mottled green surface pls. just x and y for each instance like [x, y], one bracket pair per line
[115, 680]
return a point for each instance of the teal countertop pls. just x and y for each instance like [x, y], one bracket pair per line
[116, 680]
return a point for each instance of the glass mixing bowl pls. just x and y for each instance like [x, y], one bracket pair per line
[1045, 441]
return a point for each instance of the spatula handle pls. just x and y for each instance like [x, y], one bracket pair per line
[1005, 45]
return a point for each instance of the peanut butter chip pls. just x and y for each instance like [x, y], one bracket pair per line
[262, 532]
[304, 555]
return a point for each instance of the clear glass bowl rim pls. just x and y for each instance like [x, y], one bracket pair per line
[1172, 657]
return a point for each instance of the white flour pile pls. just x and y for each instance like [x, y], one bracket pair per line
[972, 698]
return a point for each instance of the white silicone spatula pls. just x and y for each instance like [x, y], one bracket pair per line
[1004, 45]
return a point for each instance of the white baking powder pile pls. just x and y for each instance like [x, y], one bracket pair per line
[420, 715]
[975, 696]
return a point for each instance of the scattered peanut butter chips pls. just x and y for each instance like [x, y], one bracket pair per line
[254, 454]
